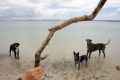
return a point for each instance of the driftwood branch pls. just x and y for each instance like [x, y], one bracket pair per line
[38, 57]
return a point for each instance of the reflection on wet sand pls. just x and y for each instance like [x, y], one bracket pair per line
[66, 68]
[16, 64]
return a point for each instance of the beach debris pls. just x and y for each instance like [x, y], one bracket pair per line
[118, 68]
[63, 25]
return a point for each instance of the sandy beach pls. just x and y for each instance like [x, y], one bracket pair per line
[63, 69]
[96, 70]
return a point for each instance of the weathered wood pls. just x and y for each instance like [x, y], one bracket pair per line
[38, 57]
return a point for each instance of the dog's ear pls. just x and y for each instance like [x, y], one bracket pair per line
[18, 43]
[78, 54]
[74, 53]
[87, 40]
[90, 40]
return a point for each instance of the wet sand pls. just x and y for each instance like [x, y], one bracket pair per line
[98, 69]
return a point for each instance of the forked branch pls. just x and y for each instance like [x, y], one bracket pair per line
[38, 57]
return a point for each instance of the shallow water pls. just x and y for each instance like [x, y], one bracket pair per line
[30, 34]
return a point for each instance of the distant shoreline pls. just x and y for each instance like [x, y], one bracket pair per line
[63, 20]
[108, 20]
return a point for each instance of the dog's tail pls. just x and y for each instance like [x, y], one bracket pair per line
[108, 42]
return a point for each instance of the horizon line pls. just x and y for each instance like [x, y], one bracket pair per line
[58, 20]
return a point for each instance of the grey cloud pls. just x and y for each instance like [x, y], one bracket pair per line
[43, 9]
[17, 11]
[34, 1]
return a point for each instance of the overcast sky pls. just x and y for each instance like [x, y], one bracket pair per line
[56, 9]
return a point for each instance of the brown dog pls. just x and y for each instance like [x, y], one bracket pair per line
[91, 47]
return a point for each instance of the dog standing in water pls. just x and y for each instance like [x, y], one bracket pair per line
[79, 59]
[91, 47]
[14, 48]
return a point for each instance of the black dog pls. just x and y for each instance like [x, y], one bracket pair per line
[14, 48]
[91, 47]
[79, 59]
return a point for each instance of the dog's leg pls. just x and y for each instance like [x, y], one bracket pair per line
[86, 62]
[89, 55]
[75, 64]
[18, 54]
[78, 66]
[99, 52]
[103, 53]
[15, 54]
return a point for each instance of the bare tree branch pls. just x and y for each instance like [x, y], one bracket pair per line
[38, 57]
